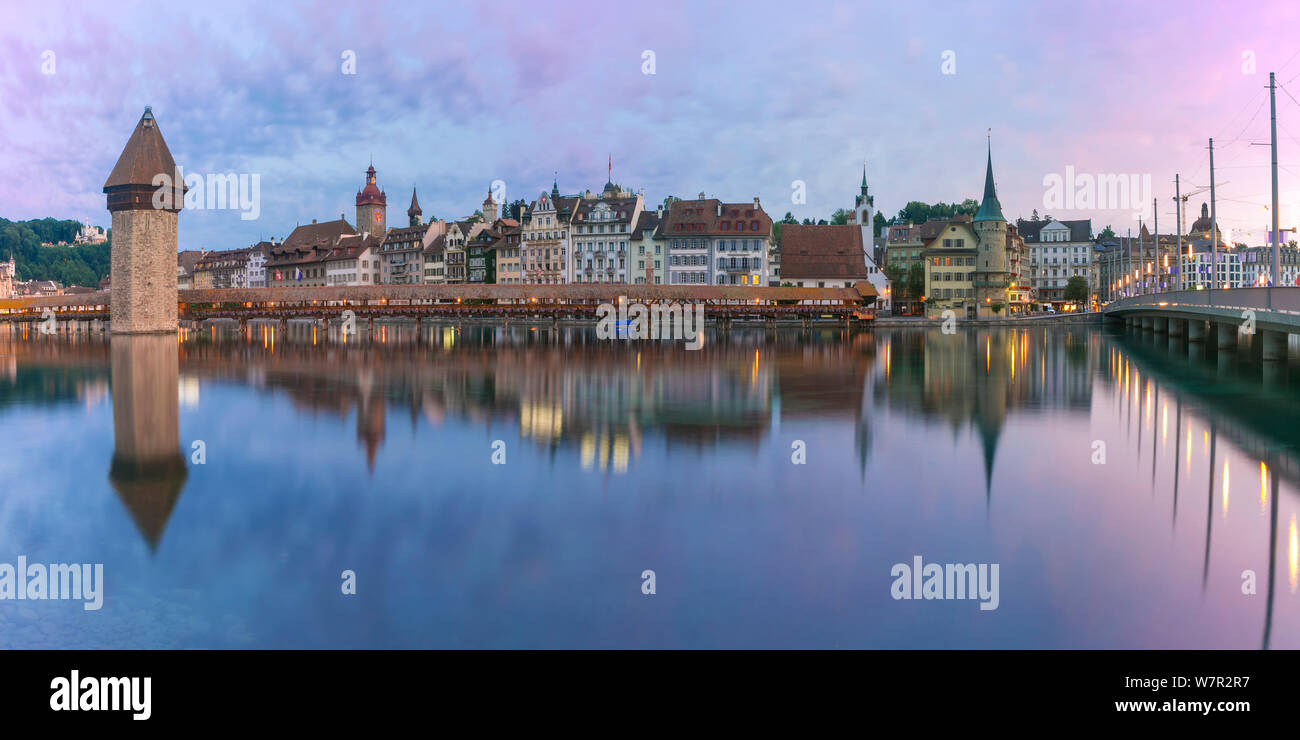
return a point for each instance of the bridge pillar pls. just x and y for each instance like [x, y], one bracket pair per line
[1177, 327]
[1225, 335]
[1272, 345]
[1195, 330]
[1160, 324]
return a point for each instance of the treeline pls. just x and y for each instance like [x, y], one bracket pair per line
[81, 264]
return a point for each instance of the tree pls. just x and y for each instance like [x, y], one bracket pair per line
[917, 212]
[897, 279]
[789, 219]
[878, 223]
[514, 209]
[915, 281]
[78, 264]
[1107, 233]
[1076, 289]
[840, 217]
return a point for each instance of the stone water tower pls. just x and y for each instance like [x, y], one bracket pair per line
[145, 215]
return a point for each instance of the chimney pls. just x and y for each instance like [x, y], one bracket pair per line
[313, 220]
[719, 209]
[756, 201]
[660, 211]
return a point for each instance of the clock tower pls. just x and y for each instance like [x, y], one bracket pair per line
[372, 206]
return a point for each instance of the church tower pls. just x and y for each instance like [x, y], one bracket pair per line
[489, 209]
[990, 276]
[864, 212]
[143, 257]
[413, 213]
[372, 206]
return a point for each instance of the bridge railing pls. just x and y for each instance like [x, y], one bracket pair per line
[1281, 300]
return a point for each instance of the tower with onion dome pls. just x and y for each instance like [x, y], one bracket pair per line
[372, 206]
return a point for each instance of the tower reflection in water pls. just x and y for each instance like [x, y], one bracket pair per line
[147, 470]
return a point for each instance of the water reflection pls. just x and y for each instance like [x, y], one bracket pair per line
[904, 430]
[147, 469]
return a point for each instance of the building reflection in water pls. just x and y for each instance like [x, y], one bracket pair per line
[974, 378]
[557, 387]
[147, 470]
[1207, 422]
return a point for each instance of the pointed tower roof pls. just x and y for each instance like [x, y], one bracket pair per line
[555, 186]
[149, 490]
[145, 155]
[990, 209]
[414, 210]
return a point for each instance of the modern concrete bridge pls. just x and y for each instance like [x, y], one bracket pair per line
[1217, 317]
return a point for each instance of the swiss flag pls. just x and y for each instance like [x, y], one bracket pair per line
[278, 276]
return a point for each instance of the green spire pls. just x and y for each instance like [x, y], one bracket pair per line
[864, 177]
[990, 209]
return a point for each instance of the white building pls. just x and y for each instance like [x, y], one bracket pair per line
[600, 233]
[90, 234]
[1058, 251]
[863, 215]
[355, 261]
[256, 268]
[1256, 265]
[714, 243]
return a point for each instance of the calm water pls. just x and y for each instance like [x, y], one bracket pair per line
[376, 457]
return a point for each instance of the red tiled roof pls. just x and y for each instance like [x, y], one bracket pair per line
[704, 217]
[822, 252]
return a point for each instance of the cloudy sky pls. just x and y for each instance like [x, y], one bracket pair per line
[745, 99]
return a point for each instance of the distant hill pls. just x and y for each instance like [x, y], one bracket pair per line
[83, 264]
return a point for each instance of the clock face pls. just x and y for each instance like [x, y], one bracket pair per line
[379, 216]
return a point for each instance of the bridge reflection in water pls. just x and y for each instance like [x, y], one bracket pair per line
[1214, 419]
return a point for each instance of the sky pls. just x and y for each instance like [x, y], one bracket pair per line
[780, 101]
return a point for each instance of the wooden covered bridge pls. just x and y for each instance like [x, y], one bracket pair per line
[722, 304]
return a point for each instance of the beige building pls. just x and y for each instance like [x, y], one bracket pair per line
[949, 259]
[8, 273]
[544, 241]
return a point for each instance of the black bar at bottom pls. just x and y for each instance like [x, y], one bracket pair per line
[239, 689]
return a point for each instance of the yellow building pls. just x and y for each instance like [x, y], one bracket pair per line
[949, 259]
